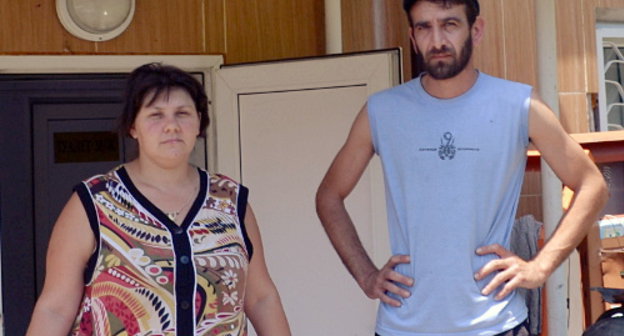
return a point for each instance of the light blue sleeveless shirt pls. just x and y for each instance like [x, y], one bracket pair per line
[453, 172]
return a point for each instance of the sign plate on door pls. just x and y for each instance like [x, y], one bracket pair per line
[85, 147]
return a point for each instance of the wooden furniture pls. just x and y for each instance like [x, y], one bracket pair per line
[607, 150]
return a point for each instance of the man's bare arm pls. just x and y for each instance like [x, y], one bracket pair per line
[342, 176]
[578, 173]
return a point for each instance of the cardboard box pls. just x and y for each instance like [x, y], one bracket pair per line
[612, 243]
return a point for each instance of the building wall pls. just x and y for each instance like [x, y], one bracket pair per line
[241, 30]
[256, 30]
[508, 49]
[375, 24]
[576, 52]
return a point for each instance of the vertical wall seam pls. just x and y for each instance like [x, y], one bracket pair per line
[585, 42]
[379, 20]
[225, 31]
[204, 25]
[504, 33]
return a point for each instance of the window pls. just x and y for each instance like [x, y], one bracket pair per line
[610, 43]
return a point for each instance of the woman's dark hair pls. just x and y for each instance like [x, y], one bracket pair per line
[154, 79]
[472, 7]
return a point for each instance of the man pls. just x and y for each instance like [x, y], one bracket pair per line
[453, 147]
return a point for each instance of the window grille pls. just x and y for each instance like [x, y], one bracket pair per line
[610, 40]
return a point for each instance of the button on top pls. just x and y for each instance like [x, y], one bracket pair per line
[178, 230]
[185, 305]
[184, 259]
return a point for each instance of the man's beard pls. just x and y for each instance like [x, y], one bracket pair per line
[443, 70]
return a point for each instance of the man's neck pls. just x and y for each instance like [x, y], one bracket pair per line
[451, 87]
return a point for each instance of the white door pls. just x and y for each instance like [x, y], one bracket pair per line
[278, 127]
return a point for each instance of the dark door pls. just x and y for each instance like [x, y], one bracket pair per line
[71, 141]
[56, 130]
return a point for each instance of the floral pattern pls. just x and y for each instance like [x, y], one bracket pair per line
[131, 288]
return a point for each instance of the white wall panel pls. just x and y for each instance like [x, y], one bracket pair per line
[279, 125]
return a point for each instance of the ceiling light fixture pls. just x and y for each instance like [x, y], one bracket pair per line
[95, 20]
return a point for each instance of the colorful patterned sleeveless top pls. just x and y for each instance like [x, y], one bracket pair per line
[149, 276]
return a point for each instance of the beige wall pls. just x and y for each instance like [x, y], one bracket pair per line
[241, 30]
[508, 49]
[375, 24]
[576, 51]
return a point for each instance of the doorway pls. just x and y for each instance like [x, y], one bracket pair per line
[51, 124]
[22, 275]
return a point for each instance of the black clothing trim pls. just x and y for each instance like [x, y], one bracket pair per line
[184, 289]
[154, 210]
[241, 208]
[87, 203]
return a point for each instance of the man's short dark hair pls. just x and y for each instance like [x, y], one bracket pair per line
[154, 79]
[472, 7]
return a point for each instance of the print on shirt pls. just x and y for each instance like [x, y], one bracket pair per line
[447, 149]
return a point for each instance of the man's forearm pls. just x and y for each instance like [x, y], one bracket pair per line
[343, 236]
[589, 200]
[383, 284]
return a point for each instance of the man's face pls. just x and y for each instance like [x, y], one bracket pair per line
[441, 38]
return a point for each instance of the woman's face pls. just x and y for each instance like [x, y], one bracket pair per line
[167, 129]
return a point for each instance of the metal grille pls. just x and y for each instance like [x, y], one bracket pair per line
[613, 84]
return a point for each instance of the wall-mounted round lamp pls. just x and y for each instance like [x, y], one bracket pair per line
[95, 20]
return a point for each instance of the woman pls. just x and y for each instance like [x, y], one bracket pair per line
[158, 246]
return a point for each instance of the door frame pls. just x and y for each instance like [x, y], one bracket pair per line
[72, 64]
